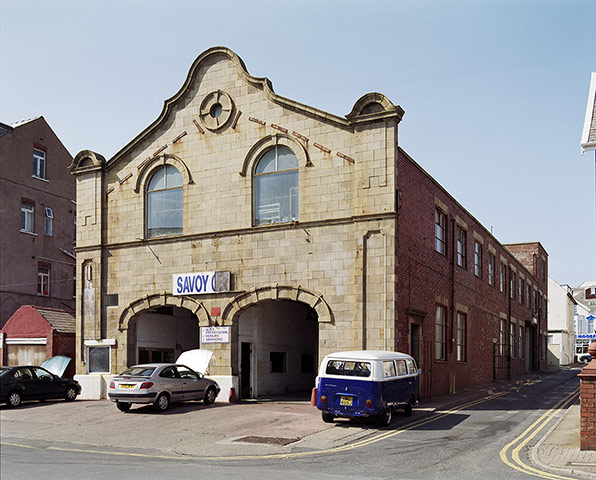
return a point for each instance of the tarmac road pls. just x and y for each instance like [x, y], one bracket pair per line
[461, 436]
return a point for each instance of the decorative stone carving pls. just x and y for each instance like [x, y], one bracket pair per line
[216, 110]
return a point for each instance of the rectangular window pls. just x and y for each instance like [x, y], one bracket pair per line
[511, 284]
[27, 217]
[441, 333]
[491, 269]
[503, 338]
[503, 278]
[521, 341]
[43, 281]
[39, 163]
[460, 340]
[461, 247]
[512, 339]
[478, 259]
[528, 295]
[49, 222]
[98, 359]
[440, 232]
[277, 362]
[521, 291]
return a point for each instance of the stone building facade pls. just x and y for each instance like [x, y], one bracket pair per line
[272, 233]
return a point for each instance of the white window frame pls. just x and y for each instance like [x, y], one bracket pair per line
[29, 211]
[39, 164]
[43, 279]
[49, 222]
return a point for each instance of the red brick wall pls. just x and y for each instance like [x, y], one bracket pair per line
[423, 274]
[588, 411]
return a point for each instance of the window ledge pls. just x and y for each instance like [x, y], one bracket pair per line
[40, 178]
[28, 233]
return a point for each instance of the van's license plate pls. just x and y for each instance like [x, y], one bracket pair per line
[345, 401]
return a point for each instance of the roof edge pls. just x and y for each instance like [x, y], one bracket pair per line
[261, 82]
[586, 145]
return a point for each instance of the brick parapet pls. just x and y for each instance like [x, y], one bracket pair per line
[588, 403]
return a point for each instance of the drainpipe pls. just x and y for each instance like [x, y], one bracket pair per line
[453, 261]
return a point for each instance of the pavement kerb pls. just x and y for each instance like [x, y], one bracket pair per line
[559, 470]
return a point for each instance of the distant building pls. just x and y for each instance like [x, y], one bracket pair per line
[37, 219]
[585, 315]
[588, 141]
[561, 326]
[274, 233]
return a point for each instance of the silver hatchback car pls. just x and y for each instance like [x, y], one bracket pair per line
[160, 384]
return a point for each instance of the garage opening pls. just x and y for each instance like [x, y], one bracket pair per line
[278, 343]
[163, 333]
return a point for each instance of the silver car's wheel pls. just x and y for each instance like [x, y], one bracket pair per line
[123, 406]
[14, 399]
[209, 396]
[70, 394]
[162, 402]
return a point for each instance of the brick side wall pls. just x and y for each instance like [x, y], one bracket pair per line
[426, 278]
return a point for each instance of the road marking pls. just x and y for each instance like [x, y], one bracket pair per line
[359, 444]
[514, 447]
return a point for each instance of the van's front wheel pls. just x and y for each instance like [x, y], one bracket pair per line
[384, 419]
[327, 417]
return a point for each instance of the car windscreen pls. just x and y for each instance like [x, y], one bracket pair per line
[3, 370]
[348, 368]
[139, 371]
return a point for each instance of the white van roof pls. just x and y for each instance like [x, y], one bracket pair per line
[367, 355]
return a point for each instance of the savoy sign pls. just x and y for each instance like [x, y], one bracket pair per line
[200, 282]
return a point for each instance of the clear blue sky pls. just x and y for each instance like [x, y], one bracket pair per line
[494, 91]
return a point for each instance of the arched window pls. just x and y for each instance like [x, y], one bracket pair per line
[276, 186]
[164, 202]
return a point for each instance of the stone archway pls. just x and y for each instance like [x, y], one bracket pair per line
[296, 293]
[162, 299]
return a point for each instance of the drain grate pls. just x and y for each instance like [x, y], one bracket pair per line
[281, 441]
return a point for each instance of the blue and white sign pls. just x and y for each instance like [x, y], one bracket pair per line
[193, 283]
[215, 334]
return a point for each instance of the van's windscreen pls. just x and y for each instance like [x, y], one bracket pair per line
[348, 368]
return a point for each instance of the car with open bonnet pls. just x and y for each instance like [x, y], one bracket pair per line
[160, 384]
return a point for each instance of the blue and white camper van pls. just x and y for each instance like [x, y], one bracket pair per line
[367, 383]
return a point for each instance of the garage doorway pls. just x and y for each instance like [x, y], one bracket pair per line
[278, 342]
[163, 333]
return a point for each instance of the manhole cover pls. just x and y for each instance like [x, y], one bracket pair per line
[268, 440]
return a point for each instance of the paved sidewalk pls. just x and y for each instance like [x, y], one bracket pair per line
[558, 451]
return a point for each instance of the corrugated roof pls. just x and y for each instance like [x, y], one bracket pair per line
[61, 320]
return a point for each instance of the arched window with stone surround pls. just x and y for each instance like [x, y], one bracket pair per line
[163, 202]
[275, 186]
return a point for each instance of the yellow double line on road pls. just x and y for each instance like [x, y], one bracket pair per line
[510, 452]
[359, 444]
